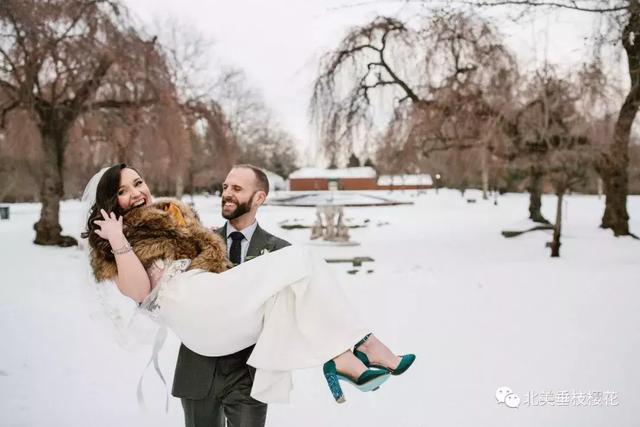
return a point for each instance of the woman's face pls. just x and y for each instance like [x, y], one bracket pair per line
[133, 191]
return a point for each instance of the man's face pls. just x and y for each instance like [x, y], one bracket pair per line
[238, 191]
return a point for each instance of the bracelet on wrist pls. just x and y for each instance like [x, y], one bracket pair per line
[123, 250]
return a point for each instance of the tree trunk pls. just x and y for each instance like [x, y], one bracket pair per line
[536, 181]
[557, 229]
[614, 164]
[179, 187]
[613, 168]
[121, 152]
[48, 227]
[615, 213]
[191, 179]
[484, 166]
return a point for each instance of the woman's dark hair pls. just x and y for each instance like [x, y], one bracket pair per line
[107, 199]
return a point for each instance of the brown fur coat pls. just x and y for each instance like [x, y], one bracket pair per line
[169, 230]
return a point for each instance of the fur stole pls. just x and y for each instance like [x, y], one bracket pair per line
[166, 229]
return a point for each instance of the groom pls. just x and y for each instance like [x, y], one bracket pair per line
[213, 389]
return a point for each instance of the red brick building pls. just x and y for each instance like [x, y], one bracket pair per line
[315, 179]
[354, 179]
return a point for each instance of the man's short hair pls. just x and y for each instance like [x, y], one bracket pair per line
[262, 182]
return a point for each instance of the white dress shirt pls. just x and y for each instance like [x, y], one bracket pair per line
[244, 244]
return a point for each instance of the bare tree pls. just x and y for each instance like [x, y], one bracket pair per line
[243, 105]
[214, 145]
[260, 138]
[272, 149]
[567, 167]
[427, 73]
[19, 159]
[445, 83]
[210, 138]
[554, 130]
[623, 18]
[62, 59]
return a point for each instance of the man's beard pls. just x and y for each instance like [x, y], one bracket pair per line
[241, 208]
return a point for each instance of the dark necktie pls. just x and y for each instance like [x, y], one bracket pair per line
[235, 254]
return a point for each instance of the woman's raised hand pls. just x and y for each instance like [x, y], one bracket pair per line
[110, 228]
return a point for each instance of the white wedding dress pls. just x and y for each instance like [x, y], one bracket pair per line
[287, 303]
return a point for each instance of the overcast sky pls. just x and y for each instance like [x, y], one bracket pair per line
[278, 42]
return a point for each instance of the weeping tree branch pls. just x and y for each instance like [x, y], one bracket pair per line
[60, 60]
[570, 4]
[370, 60]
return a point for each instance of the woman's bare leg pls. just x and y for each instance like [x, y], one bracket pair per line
[347, 363]
[378, 353]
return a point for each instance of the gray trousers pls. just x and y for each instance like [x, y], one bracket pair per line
[228, 398]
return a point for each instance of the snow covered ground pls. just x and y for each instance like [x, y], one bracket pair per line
[480, 311]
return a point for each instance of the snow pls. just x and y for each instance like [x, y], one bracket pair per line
[276, 182]
[343, 198]
[356, 172]
[480, 311]
[419, 179]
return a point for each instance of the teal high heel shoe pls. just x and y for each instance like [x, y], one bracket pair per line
[405, 362]
[369, 380]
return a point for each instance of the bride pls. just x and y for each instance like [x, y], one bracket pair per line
[285, 302]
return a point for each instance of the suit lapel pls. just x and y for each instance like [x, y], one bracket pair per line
[222, 232]
[258, 242]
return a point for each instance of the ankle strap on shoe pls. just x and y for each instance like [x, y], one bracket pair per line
[362, 341]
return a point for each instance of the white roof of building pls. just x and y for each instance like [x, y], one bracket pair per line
[276, 182]
[359, 172]
[420, 179]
